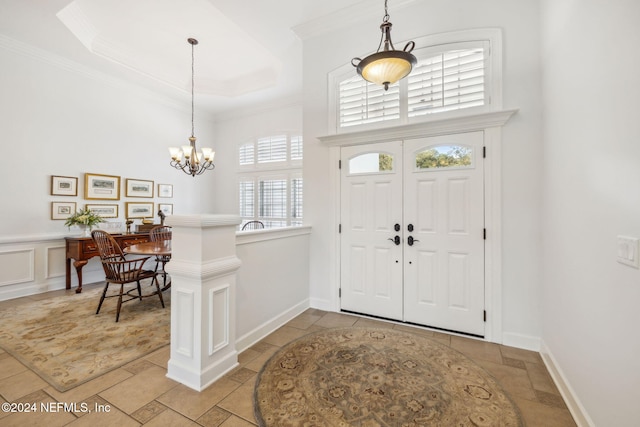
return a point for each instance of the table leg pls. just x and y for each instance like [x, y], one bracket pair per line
[78, 265]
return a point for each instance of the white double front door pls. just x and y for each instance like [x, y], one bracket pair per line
[412, 231]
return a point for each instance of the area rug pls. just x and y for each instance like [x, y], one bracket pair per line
[377, 377]
[67, 344]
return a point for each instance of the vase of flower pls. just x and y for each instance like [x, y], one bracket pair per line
[85, 220]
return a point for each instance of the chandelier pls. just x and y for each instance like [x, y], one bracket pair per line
[194, 162]
[389, 65]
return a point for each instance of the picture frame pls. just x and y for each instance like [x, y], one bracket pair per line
[139, 188]
[165, 190]
[62, 210]
[64, 185]
[139, 209]
[166, 208]
[105, 211]
[101, 187]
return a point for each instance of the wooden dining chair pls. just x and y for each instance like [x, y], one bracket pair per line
[122, 271]
[253, 225]
[157, 234]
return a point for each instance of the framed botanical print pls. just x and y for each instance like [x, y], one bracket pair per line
[165, 190]
[139, 209]
[64, 185]
[62, 210]
[101, 187]
[139, 188]
[105, 211]
[166, 208]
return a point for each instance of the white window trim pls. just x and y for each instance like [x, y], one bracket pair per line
[494, 69]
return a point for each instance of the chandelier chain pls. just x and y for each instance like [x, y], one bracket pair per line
[192, 94]
[386, 17]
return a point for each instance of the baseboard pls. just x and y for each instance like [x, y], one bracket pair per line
[321, 304]
[578, 411]
[525, 342]
[252, 337]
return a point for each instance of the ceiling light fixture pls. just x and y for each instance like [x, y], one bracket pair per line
[194, 163]
[389, 65]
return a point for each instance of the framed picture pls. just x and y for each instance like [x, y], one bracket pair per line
[64, 185]
[139, 209]
[101, 187]
[105, 211]
[165, 190]
[166, 208]
[62, 210]
[139, 188]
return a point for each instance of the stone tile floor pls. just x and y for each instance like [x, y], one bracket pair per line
[140, 393]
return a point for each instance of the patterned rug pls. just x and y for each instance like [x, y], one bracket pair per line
[377, 377]
[67, 344]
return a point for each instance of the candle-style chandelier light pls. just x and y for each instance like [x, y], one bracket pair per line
[194, 162]
[389, 65]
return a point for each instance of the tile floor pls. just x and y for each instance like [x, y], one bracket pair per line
[139, 393]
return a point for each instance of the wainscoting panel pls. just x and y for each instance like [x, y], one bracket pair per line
[184, 325]
[17, 266]
[219, 313]
[55, 258]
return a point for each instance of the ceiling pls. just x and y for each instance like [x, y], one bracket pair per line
[249, 51]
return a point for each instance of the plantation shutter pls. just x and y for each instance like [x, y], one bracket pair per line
[447, 81]
[296, 148]
[273, 198]
[361, 102]
[247, 197]
[296, 200]
[245, 154]
[272, 149]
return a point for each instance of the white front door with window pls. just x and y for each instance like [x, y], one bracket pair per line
[429, 193]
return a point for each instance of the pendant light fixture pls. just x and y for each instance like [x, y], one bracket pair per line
[389, 65]
[194, 162]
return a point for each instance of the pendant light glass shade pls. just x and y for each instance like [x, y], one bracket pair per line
[388, 66]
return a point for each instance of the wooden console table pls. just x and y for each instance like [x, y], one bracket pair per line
[82, 249]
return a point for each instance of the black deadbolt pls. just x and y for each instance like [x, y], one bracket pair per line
[396, 227]
[410, 227]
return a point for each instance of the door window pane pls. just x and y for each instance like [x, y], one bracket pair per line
[444, 156]
[370, 163]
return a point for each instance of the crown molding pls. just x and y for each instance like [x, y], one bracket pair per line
[420, 130]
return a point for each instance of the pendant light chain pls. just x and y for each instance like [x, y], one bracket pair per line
[192, 85]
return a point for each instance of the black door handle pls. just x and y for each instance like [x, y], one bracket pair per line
[410, 240]
[395, 240]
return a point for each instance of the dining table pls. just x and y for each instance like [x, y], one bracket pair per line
[161, 249]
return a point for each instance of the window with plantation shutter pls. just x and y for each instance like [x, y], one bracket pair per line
[272, 149]
[296, 148]
[273, 198]
[296, 201]
[361, 102]
[247, 197]
[447, 81]
[270, 184]
[245, 154]
[457, 73]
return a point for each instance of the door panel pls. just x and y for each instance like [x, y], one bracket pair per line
[445, 267]
[371, 204]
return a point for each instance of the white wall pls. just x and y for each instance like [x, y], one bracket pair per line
[591, 169]
[521, 138]
[57, 118]
[273, 281]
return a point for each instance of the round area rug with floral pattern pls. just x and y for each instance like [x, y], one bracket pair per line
[377, 377]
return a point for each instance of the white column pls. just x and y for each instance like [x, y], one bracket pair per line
[203, 298]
